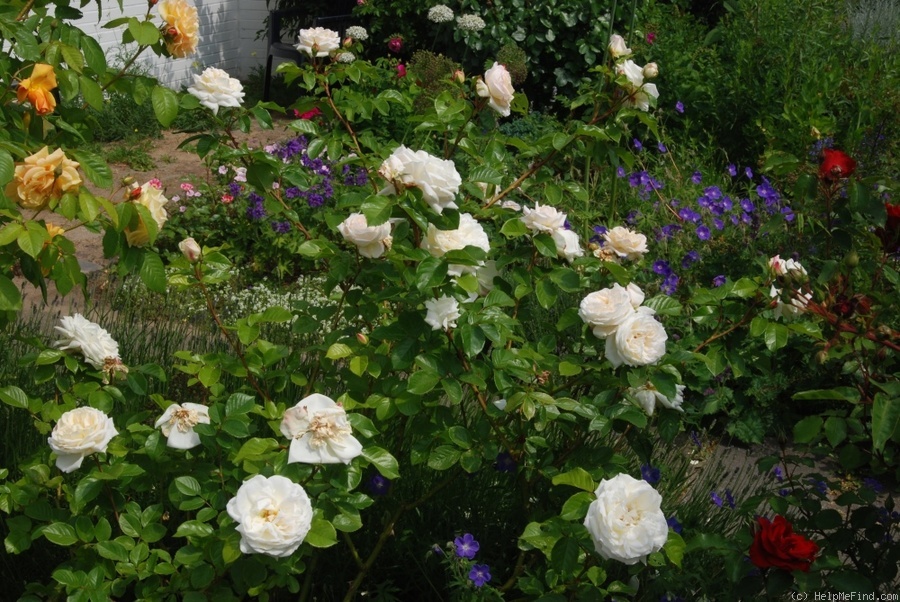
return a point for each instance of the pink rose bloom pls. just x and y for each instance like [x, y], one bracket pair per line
[651, 37]
[401, 70]
[395, 45]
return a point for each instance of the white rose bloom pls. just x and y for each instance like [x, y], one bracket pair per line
[436, 178]
[786, 267]
[78, 333]
[153, 199]
[318, 41]
[606, 309]
[485, 275]
[442, 313]
[214, 88]
[469, 233]
[543, 218]
[370, 240]
[638, 341]
[274, 515]
[797, 304]
[567, 244]
[617, 46]
[639, 93]
[497, 88]
[648, 396]
[319, 432]
[512, 205]
[626, 521]
[178, 421]
[626, 243]
[637, 295]
[80, 433]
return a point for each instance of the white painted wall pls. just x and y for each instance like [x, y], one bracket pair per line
[227, 38]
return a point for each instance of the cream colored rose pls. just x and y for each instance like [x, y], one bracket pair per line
[567, 244]
[626, 521]
[77, 333]
[214, 88]
[318, 41]
[370, 240]
[650, 70]
[648, 396]
[43, 176]
[639, 93]
[637, 295]
[469, 233]
[80, 433]
[617, 46]
[638, 341]
[319, 432]
[626, 243]
[606, 309]
[274, 515]
[436, 178]
[497, 88]
[152, 198]
[178, 421]
[190, 249]
[543, 218]
[183, 27]
[395, 165]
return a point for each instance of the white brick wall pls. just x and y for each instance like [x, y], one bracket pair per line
[227, 38]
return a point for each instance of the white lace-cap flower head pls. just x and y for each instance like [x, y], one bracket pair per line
[440, 13]
[638, 341]
[214, 88]
[357, 33]
[319, 432]
[648, 396]
[625, 243]
[345, 57]
[178, 422]
[78, 434]
[626, 521]
[318, 41]
[442, 313]
[543, 218]
[470, 22]
[274, 515]
[99, 349]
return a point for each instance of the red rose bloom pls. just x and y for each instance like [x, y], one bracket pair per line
[776, 545]
[836, 165]
[890, 234]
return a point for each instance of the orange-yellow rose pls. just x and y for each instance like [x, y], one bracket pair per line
[43, 176]
[182, 27]
[152, 198]
[37, 89]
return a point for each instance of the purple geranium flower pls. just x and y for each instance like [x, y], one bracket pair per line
[378, 485]
[715, 498]
[674, 524]
[731, 169]
[662, 148]
[637, 145]
[696, 177]
[679, 106]
[703, 232]
[650, 474]
[719, 280]
[661, 267]
[480, 574]
[466, 546]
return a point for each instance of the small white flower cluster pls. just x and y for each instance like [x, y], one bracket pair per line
[639, 93]
[440, 13]
[357, 33]
[551, 221]
[633, 335]
[345, 57]
[470, 22]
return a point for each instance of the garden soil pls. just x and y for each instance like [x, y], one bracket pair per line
[173, 166]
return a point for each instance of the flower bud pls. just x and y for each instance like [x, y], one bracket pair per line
[348, 42]
[851, 259]
[822, 356]
[651, 70]
[127, 181]
[190, 249]
[362, 338]
[459, 76]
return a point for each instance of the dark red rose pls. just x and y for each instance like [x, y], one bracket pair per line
[890, 234]
[776, 545]
[395, 44]
[836, 165]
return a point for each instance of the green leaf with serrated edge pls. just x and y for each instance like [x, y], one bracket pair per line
[94, 167]
[384, 462]
[93, 55]
[153, 273]
[807, 429]
[577, 477]
[188, 486]
[62, 534]
[513, 228]
[255, 448]
[7, 168]
[321, 534]
[885, 420]
[10, 296]
[165, 105]
[338, 351]
[430, 273]
[31, 241]
[377, 209]
[545, 245]
[10, 232]
[193, 528]
[674, 548]
[422, 381]
[239, 403]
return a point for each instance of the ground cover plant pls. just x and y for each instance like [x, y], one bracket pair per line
[507, 349]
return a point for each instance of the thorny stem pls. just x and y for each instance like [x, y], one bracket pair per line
[224, 331]
[280, 200]
[340, 116]
[25, 10]
[388, 531]
[112, 501]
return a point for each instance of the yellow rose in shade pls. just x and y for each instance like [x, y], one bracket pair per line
[41, 177]
[152, 198]
[37, 89]
[182, 27]
[53, 230]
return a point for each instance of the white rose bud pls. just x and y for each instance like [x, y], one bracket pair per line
[497, 88]
[190, 249]
[651, 70]
[617, 46]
